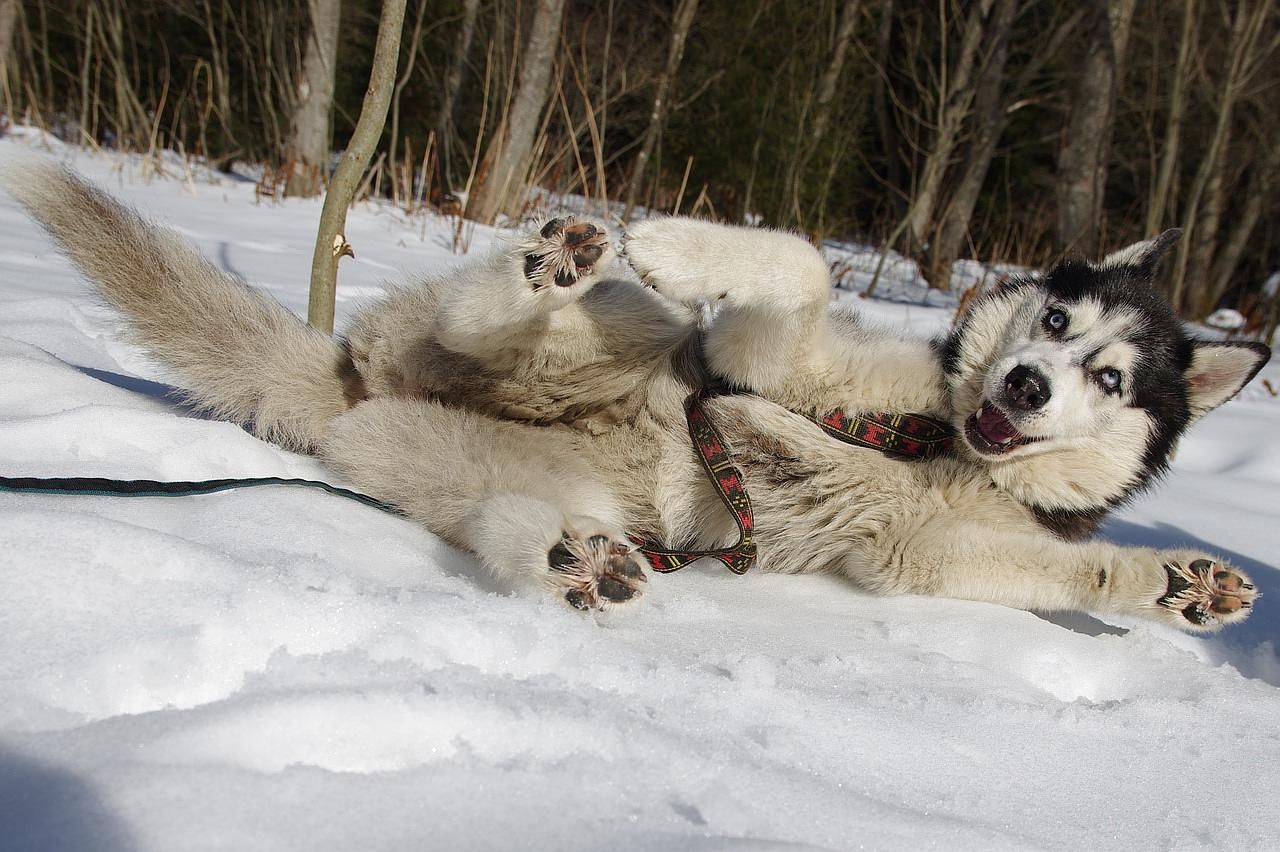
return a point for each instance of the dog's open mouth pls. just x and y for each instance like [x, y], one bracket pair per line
[991, 433]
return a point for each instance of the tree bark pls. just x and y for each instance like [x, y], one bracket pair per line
[1201, 227]
[8, 17]
[1259, 191]
[308, 149]
[988, 124]
[452, 88]
[955, 98]
[220, 66]
[1158, 204]
[681, 21]
[331, 244]
[410, 61]
[828, 85]
[880, 101]
[502, 187]
[1082, 161]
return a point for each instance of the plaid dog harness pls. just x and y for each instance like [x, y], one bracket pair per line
[910, 437]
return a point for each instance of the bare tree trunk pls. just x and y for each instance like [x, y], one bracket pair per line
[220, 64]
[1233, 250]
[954, 100]
[1082, 162]
[1204, 240]
[8, 16]
[309, 137]
[681, 21]
[828, 85]
[880, 101]
[1158, 205]
[507, 160]
[409, 62]
[452, 87]
[991, 108]
[1192, 261]
[331, 244]
[989, 122]
[1260, 190]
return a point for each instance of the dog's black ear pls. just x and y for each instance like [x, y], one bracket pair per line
[1145, 255]
[1219, 370]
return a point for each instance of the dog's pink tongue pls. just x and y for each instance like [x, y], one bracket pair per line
[995, 426]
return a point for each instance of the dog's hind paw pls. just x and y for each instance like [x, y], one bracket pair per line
[679, 258]
[563, 252]
[595, 569]
[1205, 594]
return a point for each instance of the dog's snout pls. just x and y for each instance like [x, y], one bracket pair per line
[1026, 389]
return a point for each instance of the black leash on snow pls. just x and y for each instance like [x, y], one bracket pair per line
[99, 487]
[903, 436]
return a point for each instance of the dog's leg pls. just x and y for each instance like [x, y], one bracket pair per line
[772, 290]
[504, 301]
[502, 312]
[1028, 570]
[584, 559]
[517, 496]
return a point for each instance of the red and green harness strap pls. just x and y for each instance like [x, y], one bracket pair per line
[727, 480]
[911, 437]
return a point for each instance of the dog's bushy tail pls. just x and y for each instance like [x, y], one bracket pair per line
[239, 354]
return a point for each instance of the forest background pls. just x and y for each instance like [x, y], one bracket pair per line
[1003, 130]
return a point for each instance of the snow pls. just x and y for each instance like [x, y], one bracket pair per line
[1226, 319]
[281, 669]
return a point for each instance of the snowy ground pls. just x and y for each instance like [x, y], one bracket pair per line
[281, 669]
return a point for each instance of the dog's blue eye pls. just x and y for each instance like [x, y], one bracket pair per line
[1056, 321]
[1109, 379]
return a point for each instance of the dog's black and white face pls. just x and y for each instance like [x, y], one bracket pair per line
[1074, 387]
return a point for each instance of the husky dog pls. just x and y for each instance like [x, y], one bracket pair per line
[530, 408]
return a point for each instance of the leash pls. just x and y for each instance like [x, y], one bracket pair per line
[902, 436]
[100, 487]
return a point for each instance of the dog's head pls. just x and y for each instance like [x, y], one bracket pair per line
[1074, 387]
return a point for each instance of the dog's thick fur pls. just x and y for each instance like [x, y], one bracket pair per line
[530, 409]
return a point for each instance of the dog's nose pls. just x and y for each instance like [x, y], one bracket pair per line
[1026, 389]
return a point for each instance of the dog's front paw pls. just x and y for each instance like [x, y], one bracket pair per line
[595, 568]
[677, 258]
[563, 252]
[1204, 595]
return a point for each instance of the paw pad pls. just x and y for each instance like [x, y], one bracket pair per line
[1207, 593]
[563, 251]
[597, 569]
